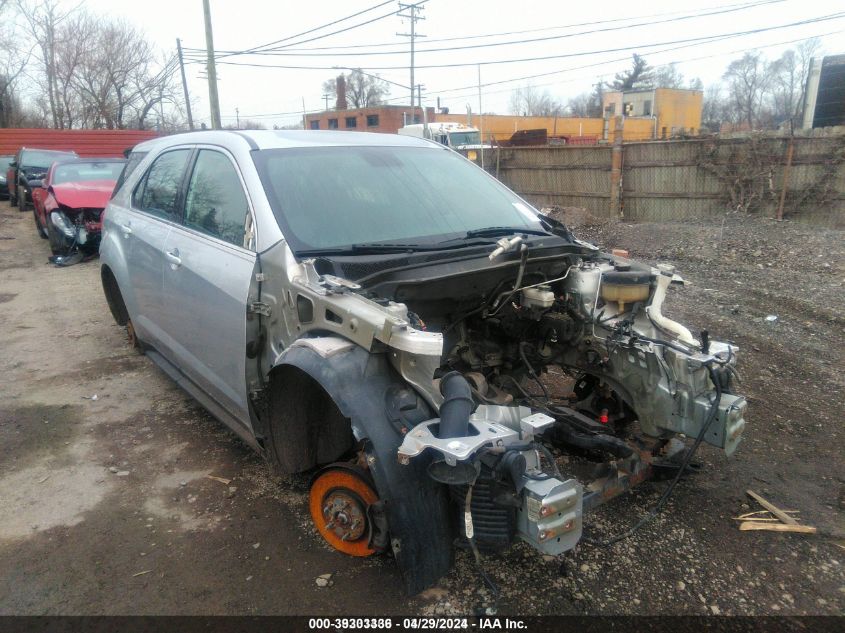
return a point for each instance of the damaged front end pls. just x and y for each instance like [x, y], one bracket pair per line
[527, 390]
[74, 233]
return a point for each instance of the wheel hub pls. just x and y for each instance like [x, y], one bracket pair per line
[338, 501]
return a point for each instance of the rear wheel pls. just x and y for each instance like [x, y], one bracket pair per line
[340, 496]
[21, 197]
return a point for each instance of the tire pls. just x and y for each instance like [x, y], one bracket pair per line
[42, 230]
[21, 198]
[13, 199]
[58, 244]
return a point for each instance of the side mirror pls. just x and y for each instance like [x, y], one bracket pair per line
[13, 164]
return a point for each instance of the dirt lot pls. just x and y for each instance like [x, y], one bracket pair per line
[107, 507]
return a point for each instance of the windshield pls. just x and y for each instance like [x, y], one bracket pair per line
[42, 160]
[465, 138]
[333, 197]
[86, 172]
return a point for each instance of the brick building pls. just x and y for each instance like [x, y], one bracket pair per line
[382, 118]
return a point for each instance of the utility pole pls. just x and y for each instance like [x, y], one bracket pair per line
[213, 100]
[304, 117]
[412, 14]
[237, 119]
[326, 97]
[185, 85]
[480, 118]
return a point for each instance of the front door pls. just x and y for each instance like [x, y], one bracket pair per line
[144, 229]
[209, 264]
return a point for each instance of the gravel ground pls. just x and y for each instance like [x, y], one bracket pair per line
[109, 508]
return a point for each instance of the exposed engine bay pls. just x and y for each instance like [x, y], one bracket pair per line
[523, 353]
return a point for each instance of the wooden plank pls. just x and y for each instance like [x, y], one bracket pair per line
[783, 516]
[776, 527]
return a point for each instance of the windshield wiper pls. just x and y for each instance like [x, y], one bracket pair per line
[497, 231]
[385, 248]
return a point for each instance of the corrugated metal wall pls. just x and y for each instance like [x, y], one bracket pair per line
[669, 180]
[104, 143]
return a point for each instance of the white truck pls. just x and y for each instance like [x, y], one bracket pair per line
[455, 135]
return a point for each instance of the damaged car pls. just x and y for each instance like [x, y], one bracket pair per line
[68, 203]
[383, 314]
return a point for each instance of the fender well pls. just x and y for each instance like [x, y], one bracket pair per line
[361, 386]
[113, 296]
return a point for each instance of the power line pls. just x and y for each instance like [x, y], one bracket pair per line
[318, 28]
[413, 16]
[343, 30]
[703, 39]
[488, 35]
[292, 53]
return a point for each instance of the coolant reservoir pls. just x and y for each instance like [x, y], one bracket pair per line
[625, 286]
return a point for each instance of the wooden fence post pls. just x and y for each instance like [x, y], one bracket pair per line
[616, 170]
[790, 148]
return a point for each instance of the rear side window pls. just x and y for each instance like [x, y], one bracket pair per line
[215, 203]
[159, 191]
[131, 164]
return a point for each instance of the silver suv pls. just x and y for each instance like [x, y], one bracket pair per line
[380, 311]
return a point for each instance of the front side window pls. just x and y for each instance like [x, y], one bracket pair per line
[334, 197]
[215, 203]
[159, 191]
[129, 166]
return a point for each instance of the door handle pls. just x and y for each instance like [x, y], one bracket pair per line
[173, 258]
[127, 230]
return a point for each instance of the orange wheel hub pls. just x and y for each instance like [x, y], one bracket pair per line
[338, 502]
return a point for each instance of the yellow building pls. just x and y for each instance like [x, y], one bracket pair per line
[500, 127]
[672, 112]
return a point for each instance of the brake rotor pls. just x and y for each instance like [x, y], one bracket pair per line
[338, 501]
[130, 333]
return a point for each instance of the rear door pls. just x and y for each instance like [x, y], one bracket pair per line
[155, 208]
[209, 264]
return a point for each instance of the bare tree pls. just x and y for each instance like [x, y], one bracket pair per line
[97, 72]
[528, 101]
[668, 76]
[747, 84]
[362, 90]
[584, 105]
[14, 56]
[44, 18]
[715, 108]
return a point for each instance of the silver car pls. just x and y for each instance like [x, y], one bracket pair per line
[380, 311]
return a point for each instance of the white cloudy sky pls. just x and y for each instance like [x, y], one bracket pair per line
[275, 95]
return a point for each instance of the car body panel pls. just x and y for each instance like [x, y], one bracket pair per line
[211, 283]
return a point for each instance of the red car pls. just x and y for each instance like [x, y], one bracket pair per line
[68, 206]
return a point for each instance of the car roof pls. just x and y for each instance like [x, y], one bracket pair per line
[93, 159]
[69, 152]
[276, 139]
